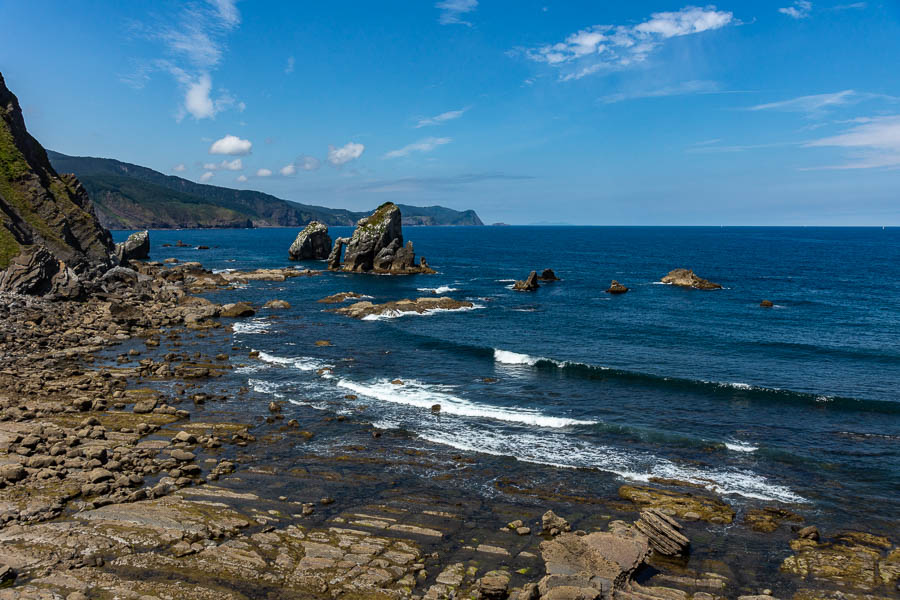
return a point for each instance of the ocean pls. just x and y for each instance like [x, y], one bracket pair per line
[796, 405]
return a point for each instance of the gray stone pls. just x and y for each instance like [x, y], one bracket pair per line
[313, 243]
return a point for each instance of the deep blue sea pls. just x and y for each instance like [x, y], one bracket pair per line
[795, 404]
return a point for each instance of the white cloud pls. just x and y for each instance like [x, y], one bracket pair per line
[287, 170]
[453, 10]
[231, 145]
[290, 65]
[426, 145]
[263, 173]
[875, 143]
[206, 176]
[241, 178]
[441, 118]
[344, 154]
[180, 168]
[225, 165]
[609, 47]
[800, 9]
[197, 100]
[309, 163]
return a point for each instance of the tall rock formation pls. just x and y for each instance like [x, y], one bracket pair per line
[313, 243]
[50, 238]
[377, 246]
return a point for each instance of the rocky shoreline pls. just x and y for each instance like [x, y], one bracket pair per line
[122, 479]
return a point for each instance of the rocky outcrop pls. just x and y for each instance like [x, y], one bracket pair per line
[49, 233]
[339, 297]
[136, 247]
[663, 531]
[529, 285]
[313, 243]
[687, 278]
[362, 310]
[853, 559]
[376, 246]
[685, 505]
[616, 288]
[767, 304]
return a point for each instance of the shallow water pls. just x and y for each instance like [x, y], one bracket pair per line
[795, 404]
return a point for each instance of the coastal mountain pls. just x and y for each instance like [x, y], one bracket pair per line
[49, 233]
[129, 196]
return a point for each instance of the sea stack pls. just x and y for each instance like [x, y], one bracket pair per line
[313, 243]
[616, 288]
[376, 246]
[136, 247]
[50, 238]
[687, 278]
[529, 285]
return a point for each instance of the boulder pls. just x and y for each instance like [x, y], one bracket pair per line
[529, 285]
[280, 304]
[553, 524]
[494, 585]
[361, 310]
[237, 309]
[616, 288]
[377, 246]
[313, 243]
[687, 278]
[136, 247]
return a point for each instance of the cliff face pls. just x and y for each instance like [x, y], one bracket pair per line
[42, 209]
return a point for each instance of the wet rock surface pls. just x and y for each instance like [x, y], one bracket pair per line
[361, 310]
[530, 283]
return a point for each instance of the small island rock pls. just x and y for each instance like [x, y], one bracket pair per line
[548, 275]
[687, 278]
[313, 243]
[767, 304]
[616, 288]
[136, 247]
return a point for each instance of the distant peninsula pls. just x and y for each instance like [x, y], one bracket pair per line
[128, 196]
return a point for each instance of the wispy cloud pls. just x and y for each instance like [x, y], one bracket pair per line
[288, 170]
[193, 41]
[425, 145]
[289, 68]
[179, 168]
[682, 89]
[817, 105]
[452, 11]
[344, 154]
[800, 9]
[441, 118]
[604, 48]
[241, 178]
[206, 176]
[853, 6]
[875, 143]
[264, 173]
[232, 145]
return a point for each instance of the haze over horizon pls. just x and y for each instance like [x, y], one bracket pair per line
[650, 113]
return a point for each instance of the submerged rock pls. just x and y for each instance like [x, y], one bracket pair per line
[616, 288]
[852, 559]
[339, 297]
[529, 285]
[377, 246]
[313, 243]
[361, 310]
[136, 247]
[687, 278]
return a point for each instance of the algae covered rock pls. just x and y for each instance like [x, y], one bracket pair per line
[852, 559]
[704, 507]
[687, 278]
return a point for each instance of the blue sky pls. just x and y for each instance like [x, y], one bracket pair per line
[637, 113]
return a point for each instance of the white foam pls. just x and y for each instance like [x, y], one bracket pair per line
[253, 326]
[248, 369]
[261, 386]
[570, 452]
[506, 280]
[444, 289]
[514, 358]
[303, 363]
[422, 395]
[738, 446]
[396, 314]
[218, 271]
